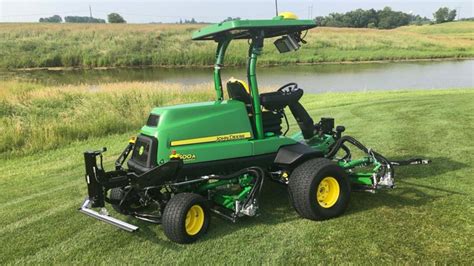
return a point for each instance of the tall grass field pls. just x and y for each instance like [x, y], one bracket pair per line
[35, 117]
[426, 219]
[99, 45]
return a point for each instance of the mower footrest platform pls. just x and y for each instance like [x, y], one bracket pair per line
[85, 208]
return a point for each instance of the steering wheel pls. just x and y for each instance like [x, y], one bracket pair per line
[289, 88]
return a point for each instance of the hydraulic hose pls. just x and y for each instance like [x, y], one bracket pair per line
[257, 172]
[340, 143]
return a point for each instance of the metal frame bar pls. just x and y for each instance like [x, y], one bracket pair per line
[105, 218]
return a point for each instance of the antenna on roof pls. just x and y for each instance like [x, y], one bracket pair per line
[276, 7]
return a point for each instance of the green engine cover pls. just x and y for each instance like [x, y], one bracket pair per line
[208, 131]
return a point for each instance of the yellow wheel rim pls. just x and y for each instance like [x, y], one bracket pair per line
[194, 220]
[328, 192]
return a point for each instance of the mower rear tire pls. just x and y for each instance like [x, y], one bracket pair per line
[186, 218]
[319, 189]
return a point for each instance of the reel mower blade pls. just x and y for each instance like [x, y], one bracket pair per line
[85, 208]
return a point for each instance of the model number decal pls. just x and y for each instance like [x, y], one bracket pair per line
[187, 157]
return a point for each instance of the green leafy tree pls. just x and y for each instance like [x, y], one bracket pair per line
[115, 18]
[231, 18]
[371, 25]
[382, 19]
[53, 19]
[441, 15]
[452, 15]
[192, 21]
[320, 21]
[389, 19]
[79, 19]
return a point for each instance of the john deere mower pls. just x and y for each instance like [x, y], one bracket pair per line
[192, 160]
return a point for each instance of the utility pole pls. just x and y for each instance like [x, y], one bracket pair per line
[315, 3]
[310, 9]
[276, 7]
[90, 11]
[458, 11]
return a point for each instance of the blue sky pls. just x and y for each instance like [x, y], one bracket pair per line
[208, 10]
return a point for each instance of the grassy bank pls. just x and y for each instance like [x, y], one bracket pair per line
[34, 117]
[427, 218]
[86, 45]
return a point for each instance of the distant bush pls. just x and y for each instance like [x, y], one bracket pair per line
[79, 19]
[115, 18]
[53, 19]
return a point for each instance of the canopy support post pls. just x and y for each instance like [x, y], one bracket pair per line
[220, 53]
[254, 51]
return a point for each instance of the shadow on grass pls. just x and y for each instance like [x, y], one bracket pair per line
[438, 166]
[275, 207]
[393, 199]
[150, 232]
[409, 194]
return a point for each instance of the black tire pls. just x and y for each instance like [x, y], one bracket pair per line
[304, 182]
[130, 205]
[175, 213]
[116, 194]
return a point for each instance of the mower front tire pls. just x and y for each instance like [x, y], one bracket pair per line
[116, 194]
[319, 189]
[186, 218]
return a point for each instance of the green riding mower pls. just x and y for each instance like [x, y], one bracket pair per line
[192, 160]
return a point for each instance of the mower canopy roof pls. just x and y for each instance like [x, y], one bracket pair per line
[245, 29]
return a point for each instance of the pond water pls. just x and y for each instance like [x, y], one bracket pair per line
[312, 78]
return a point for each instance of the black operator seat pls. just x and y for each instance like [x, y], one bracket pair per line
[239, 91]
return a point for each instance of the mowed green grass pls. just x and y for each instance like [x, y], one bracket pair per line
[426, 219]
[33, 45]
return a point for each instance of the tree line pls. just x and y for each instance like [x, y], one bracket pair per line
[194, 21]
[382, 19]
[111, 18]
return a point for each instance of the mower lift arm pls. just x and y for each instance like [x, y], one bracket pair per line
[123, 156]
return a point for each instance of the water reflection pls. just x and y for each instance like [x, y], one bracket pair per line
[314, 78]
